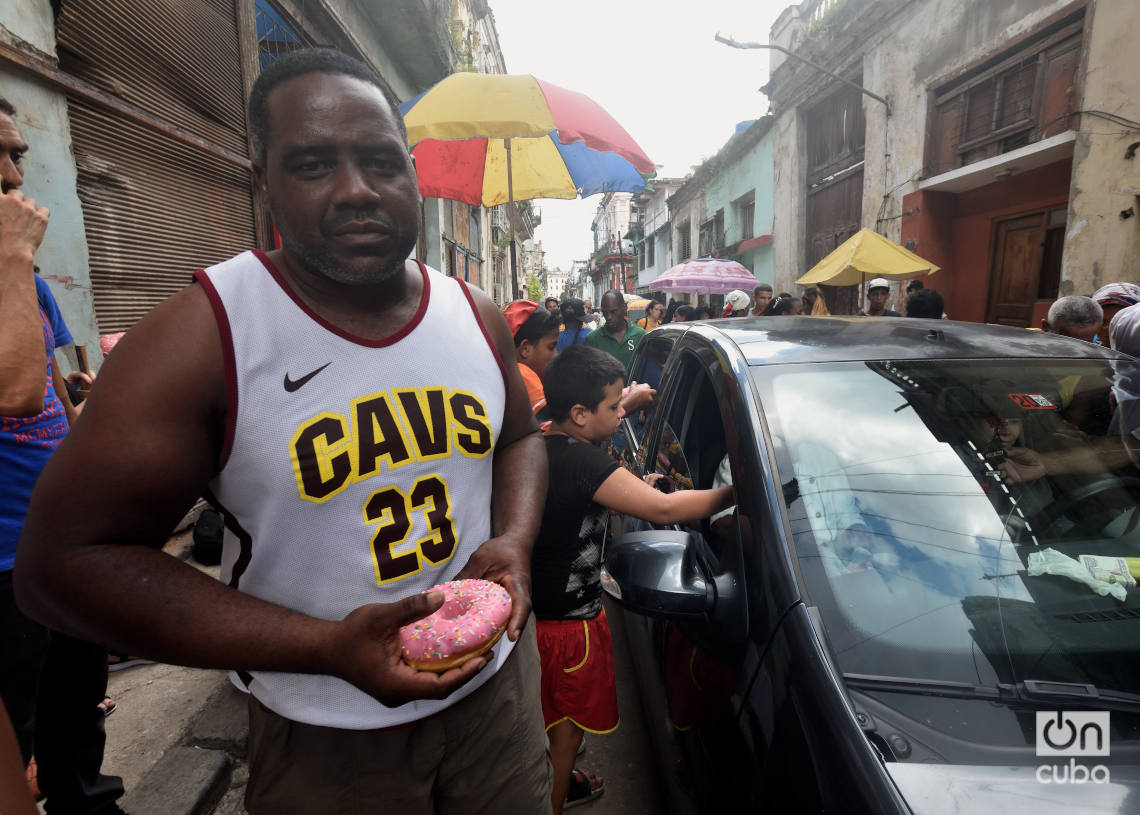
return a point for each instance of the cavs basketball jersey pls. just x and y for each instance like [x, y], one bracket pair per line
[353, 471]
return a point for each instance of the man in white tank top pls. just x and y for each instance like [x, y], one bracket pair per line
[362, 424]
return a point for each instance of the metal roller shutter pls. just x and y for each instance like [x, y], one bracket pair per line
[157, 206]
[155, 210]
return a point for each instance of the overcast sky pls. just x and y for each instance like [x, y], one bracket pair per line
[653, 64]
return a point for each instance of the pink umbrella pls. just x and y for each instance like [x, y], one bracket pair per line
[705, 276]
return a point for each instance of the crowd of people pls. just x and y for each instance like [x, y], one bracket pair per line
[281, 385]
[763, 302]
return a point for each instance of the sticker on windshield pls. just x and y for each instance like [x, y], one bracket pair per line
[1032, 401]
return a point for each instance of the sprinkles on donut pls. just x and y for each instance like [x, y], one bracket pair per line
[473, 616]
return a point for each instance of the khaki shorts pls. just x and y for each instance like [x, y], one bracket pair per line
[486, 753]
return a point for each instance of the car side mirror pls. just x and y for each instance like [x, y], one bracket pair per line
[657, 573]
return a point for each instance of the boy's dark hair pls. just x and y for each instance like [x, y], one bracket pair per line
[299, 63]
[579, 375]
[7, 108]
[925, 303]
[686, 312]
[539, 324]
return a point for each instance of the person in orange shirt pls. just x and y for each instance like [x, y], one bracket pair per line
[536, 342]
[535, 330]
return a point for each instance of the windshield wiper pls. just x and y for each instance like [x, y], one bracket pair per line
[1030, 691]
[931, 687]
[1084, 695]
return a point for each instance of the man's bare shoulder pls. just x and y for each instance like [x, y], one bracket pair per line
[174, 351]
[490, 313]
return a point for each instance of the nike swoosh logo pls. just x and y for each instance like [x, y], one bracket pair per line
[292, 385]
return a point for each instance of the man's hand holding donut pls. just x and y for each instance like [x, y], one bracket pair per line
[365, 650]
[505, 561]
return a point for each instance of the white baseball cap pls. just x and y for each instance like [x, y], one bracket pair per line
[878, 283]
[739, 300]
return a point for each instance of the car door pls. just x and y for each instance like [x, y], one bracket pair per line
[691, 671]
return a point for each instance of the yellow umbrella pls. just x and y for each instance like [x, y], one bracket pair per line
[864, 255]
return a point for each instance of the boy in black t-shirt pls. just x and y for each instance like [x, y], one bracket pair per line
[583, 394]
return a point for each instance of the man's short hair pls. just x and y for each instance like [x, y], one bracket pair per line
[579, 375]
[915, 285]
[925, 303]
[299, 63]
[1076, 310]
[761, 287]
[7, 108]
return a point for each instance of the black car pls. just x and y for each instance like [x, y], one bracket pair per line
[921, 601]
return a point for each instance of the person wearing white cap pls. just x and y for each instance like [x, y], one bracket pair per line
[878, 292]
[736, 304]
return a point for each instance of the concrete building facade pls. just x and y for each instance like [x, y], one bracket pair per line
[991, 138]
[554, 284]
[612, 261]
[652, 235]
[139, 145]
[725, 208]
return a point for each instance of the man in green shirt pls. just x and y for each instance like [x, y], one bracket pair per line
[617, 336]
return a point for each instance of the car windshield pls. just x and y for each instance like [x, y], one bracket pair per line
[924, 495]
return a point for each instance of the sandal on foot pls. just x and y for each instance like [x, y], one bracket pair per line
[583, 788]
[108, 706]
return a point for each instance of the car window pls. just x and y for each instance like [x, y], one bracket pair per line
[691, 450]
[922, 493]
[648, 366]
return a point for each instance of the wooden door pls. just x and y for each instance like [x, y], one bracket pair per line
[1015, 275]
[833, 215]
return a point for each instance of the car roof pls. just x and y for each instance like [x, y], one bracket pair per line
[785, 340]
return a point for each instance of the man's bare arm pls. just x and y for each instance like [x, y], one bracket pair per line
[519, 483]
[89, 560]
[22, 359]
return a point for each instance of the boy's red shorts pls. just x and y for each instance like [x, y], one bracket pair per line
[578, 673]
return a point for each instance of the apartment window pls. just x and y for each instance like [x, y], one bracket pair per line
[836, 132]
[651, 245]
[747, 218]
[1011, 100]
[452, 259]
[473, 225]
[712, 234]
[705, 239]
[275, 36]
[683, 241]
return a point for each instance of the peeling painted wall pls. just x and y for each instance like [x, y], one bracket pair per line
[751, 172]
[909, 53]
[1101, 245]
[926, 43]
[789, 201]
[49, 172]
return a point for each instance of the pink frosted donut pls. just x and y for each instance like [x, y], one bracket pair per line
[472, 618]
